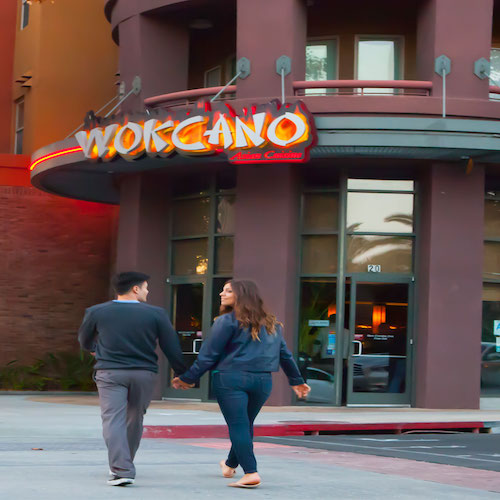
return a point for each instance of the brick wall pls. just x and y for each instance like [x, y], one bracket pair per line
[56, 256]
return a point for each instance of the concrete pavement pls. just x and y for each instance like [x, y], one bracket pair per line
[72, 462]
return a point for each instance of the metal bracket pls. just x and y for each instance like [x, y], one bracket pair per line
[243, 67]
[482, 68]
[283, 65]
[136, 85]
[442, 65]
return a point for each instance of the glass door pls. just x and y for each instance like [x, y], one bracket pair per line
[379, 358]
[187, 319]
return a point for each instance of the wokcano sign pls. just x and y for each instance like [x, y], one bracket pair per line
[267, 133]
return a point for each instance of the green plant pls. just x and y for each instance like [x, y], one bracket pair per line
[59, 371]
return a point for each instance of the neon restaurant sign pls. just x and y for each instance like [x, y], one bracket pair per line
[268, 133]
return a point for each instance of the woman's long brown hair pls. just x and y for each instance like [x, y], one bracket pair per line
[249, 308]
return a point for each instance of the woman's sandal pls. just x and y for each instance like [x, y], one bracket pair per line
[244, 485]
[227, 471]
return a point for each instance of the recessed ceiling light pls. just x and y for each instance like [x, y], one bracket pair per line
[201, 24]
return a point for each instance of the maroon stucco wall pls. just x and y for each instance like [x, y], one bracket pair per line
[265, 249]
[449, 285]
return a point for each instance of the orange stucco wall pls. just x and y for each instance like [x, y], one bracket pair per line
[68, 49]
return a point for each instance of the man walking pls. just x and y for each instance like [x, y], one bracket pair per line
[124, 334]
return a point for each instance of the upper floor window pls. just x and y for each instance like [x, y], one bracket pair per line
[495, 70]
[25, 13]
[321, 62]
[213, 77]
[379, 59]
[18, 145]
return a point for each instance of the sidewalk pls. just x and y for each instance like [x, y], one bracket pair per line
[51, 449]
[187, 419]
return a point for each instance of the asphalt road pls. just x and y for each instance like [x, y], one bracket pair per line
[477, 451]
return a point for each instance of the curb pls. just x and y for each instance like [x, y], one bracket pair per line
[311, 428]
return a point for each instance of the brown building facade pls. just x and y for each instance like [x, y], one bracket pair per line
[373, 251]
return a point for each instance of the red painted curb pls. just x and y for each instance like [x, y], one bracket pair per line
[298, 428]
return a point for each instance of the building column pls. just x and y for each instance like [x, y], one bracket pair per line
[143, 239]
[267, 204]
[449, 287]
[282, 30]
[158, 51]
[461, 30]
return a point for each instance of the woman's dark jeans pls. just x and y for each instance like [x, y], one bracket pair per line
[241, 395]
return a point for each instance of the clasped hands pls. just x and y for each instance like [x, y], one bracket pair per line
[177, 383]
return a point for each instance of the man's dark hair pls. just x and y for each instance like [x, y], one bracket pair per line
[124, 282]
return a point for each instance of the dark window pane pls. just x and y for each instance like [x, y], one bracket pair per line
[490, 341]
[320, 177]
[225, 214]
[191, 217]
[184, 186]
[320, 212]
[226, 179]
[492, 219]
[190, 257]
[392, 253]
[319, 254]
[380, 212]
[318, 337]
[224, 255]
[491, 261]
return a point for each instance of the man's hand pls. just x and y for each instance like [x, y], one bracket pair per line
[301, 390]
[177, 383]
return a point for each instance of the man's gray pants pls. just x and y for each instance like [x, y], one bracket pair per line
[124, 397]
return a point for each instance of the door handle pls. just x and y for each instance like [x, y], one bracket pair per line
[360, 345]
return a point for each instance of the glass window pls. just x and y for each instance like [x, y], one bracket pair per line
[380, 212]
[319, 254]
[318, 337]
[321, 63]
[378, 59]
[320, 212]
[190, 257]
[213, 77]
[490, 341]
[226, 179]
[491, 261]
[225, 214]
[495, 70]
[224, 250]
[25, 13]
[492, 219]
[392, 253]
[191, 217]
[380, 185]
[18, 146]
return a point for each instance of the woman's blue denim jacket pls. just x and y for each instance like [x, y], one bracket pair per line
[231, 348]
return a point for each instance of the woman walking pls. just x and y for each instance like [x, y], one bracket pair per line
[246, 344]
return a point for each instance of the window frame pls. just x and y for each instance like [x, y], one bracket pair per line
[205, 74]
[330, 41]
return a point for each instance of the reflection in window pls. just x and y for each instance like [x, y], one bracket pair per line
[191, 217]
[318, 337]
[490, 341]
[491, 261]
[321, 63]
[224, 251]
[319, 254]
[190, 257]
[377, 60]
[392, 253]
[495, 70]
[492, 219]
[380, 185]
[380, 212]
[225, 214]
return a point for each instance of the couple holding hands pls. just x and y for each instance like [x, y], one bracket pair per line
[244, 347]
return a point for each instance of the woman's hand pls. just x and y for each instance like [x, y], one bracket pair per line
[177, 383]
[301, 390]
